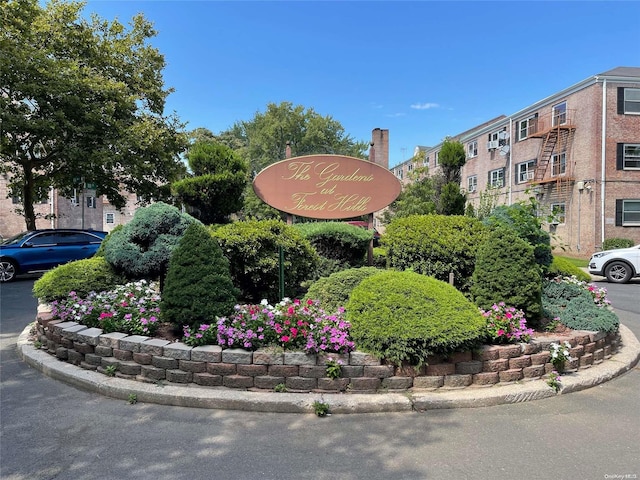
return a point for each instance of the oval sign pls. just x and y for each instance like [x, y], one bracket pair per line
[327, 186]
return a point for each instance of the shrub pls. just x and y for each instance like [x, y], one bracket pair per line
[81, 276]
[198, 287]
[564, 268]
[435, 245]
[338, 241]
[613, 243]
[142, 248]
[405, 316]
[380, 259]
[506, 271]
[100, 252]
[522, 218]
[252, 249]
[577, 306]
[333, 291]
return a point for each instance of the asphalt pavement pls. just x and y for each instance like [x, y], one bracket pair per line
[52, 430]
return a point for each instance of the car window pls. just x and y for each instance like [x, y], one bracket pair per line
[46, 238]
[15, 240]
[74, 238]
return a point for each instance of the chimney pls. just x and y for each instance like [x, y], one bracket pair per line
[380, 140]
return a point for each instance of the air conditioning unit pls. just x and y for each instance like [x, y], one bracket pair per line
[492, 145]
[529, 176]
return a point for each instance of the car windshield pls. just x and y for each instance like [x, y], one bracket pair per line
[15, 239]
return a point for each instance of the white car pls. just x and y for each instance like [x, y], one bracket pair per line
[619, 265]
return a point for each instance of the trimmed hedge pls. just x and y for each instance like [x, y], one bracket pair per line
[252, 249]
[338, 241]
[198, 287]
[575, 308]
[564, 268]
[406, 316]
[613, 243]
[435, 245]
[333, 291]
[82, 276]
[506, 271]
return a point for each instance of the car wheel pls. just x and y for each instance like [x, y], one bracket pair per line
[618, 272]
[8, 270]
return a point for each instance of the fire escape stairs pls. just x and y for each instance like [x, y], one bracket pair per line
[548, 146]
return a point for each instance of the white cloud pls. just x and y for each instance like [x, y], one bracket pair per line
[424, 106]
[393, 115]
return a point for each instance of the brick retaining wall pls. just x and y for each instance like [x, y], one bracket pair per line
[153, 360]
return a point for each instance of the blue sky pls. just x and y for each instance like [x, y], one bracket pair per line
[422, 69]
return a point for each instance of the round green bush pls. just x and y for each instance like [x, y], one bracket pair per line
[506, 271]
[198, 287]
[338, 241]
[333, 291]
[575, 308]
[406, 316]
[564, 268]
[100, 252]
[435, 245]
[252, 248]
[82, 276]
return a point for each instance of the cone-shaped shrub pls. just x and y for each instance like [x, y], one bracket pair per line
[198, 286]
[506, 271]
[406, 316]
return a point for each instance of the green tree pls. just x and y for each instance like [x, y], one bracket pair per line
[448, 197]
[219, 179]
[263, 140]
[82, 100]
[417, 196]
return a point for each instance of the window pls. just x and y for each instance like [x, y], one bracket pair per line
[559, 114]
[91, 202]
[629, 101]
[426, 162]
[75, 201]
[472, 183]
[496, 178]
[525, 171]
[558, 212]
[527, 127]
[410, 167]
[558, 164]
[628, 156]
[628, 213]
[399, 173]
[109, 218]
[435, 158]
[16, 200]
[473, 149]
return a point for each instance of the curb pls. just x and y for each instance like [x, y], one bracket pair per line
[625, 359]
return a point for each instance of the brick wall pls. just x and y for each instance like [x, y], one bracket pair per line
[154, 360]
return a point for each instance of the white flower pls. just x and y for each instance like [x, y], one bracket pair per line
[264, 302]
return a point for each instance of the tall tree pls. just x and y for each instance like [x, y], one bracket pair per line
[215, 189]
[265, 137]
[82, 101]
[263, 140]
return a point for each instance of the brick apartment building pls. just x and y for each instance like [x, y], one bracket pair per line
[84, 210]
[577, 151]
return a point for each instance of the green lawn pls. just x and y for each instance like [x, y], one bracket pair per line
[578, 262]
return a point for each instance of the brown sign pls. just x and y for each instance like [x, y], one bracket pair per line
[327, 186]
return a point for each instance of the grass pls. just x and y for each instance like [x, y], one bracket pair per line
[578, 262]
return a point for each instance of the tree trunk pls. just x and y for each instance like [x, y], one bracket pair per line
[27, 198]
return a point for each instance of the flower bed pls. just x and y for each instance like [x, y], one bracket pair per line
[149, 359]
